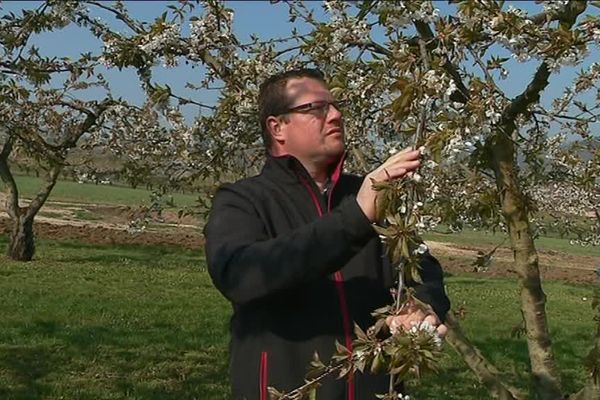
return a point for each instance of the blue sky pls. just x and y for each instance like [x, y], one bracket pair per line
[259, 17]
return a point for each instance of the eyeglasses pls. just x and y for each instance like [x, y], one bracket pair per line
[320, 108]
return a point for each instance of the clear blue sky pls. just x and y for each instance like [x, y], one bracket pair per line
[259, 17]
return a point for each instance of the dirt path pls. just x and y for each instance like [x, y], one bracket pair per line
[107, 224]
[553, 265]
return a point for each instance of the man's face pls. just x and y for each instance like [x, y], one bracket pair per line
[315, 135]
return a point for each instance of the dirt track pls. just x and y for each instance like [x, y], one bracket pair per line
[59, 221]
[553, 265]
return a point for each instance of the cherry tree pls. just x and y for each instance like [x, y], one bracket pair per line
[50, 106]
[413, 75]
[41, 116]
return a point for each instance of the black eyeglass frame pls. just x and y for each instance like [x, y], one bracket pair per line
[321, 105]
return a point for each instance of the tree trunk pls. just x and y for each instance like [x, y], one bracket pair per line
[533, 300]
[22, 246]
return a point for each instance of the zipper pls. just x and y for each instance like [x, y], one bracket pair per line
[337, 276]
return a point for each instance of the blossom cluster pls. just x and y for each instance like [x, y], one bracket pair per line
[163, 44]
[211, 30]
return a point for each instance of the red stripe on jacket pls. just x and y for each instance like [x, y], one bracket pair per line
[263, 376]
[338, 277]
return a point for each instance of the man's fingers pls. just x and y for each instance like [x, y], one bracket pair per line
[402, 158]
[396, 170]
[442, 330]
[406, 151]
[432, 319]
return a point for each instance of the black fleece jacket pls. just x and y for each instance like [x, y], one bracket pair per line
[300, 269]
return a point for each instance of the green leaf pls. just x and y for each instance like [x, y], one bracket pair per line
[377, 364]
[341, 349]
[402, 104]
[383, 231]
[360, 334]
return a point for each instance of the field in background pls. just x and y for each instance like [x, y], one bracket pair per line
[69, 191]
[87, 193]
[136, 322]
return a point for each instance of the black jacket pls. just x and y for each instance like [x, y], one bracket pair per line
[299, 269]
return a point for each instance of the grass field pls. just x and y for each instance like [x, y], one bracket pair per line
[89, 193]
[126, 322]
[92, 322]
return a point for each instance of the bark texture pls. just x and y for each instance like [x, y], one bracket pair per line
[533, 299]
[22, 244]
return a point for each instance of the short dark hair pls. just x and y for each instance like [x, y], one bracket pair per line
[272, 96]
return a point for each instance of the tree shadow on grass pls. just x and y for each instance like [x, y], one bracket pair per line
[142, 255]
[207, 381]
[86, 338]
[26, 366]
[144, 365]
[510, 356]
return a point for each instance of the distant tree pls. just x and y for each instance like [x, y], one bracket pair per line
[50, 106]
[41, 117]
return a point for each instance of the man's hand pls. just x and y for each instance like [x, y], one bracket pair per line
[395, 167]
[413, 315]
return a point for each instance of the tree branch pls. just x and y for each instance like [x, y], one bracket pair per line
[530, 95]
[425, 32]
[373, 47]
[485, 372]
[120, 16]
[484, 69]
[567, 16]
[38, 201]
[90, 120]
[184, 100]
[563, 116]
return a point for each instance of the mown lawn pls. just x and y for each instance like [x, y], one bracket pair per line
[132, 322]
[100, 322]
[70, 191]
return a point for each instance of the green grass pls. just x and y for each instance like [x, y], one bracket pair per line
[86, 215]
[133, 322]
[50, 214]
[110, 322]
[89, 193]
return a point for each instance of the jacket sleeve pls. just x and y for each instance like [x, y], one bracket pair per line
[431, 290]
[246, 264]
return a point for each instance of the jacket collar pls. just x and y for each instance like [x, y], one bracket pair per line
[289, 169]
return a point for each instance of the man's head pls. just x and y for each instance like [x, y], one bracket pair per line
[299, 117]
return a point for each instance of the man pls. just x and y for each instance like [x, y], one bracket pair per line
[295, 252]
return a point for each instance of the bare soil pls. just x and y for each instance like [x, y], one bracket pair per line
[106, 224]
[553, 265]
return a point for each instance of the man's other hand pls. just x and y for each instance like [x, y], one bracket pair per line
[413, 315]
